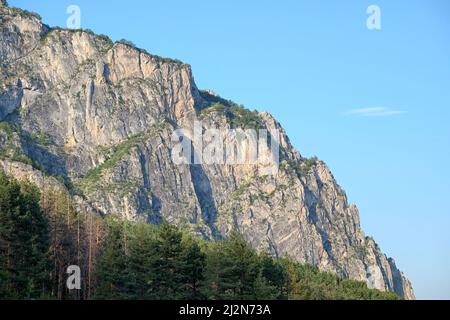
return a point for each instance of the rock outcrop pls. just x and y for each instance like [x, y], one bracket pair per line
[100, 116]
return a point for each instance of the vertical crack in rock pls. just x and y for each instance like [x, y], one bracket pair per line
[204, 193]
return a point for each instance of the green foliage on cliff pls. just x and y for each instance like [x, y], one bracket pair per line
[306, 164]
[126, 43]
[23, 13]
[237, 116]
[115, 154]
[297, 168]
[40, 138]
[7, 128]
[9, 148]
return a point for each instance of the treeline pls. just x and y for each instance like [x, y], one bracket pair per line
[142, 261]
[42, 234]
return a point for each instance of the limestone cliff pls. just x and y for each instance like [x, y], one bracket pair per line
[99, 117]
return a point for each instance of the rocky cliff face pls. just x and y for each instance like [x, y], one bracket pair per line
[98, 117]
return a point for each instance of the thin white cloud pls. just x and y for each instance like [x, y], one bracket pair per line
[375, 112]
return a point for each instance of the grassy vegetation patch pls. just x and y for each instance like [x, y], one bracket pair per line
[237, 116]
[299, 168]
[16, 12]
[115, 154]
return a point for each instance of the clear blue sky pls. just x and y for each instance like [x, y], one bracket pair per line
[309, 63]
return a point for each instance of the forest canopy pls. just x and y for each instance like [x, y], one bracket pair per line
[41, 234]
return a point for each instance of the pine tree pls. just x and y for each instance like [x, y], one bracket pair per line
[7, 195]
[111, 276]
[37, 238]
[23, 241]
[194, 270]
[167, 264]
[141, 256]
[273, 271]
[263, 290]
[237, 268]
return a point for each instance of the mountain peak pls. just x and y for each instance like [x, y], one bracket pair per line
[101, 116]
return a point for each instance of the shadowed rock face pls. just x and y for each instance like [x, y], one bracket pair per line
[101, 116]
